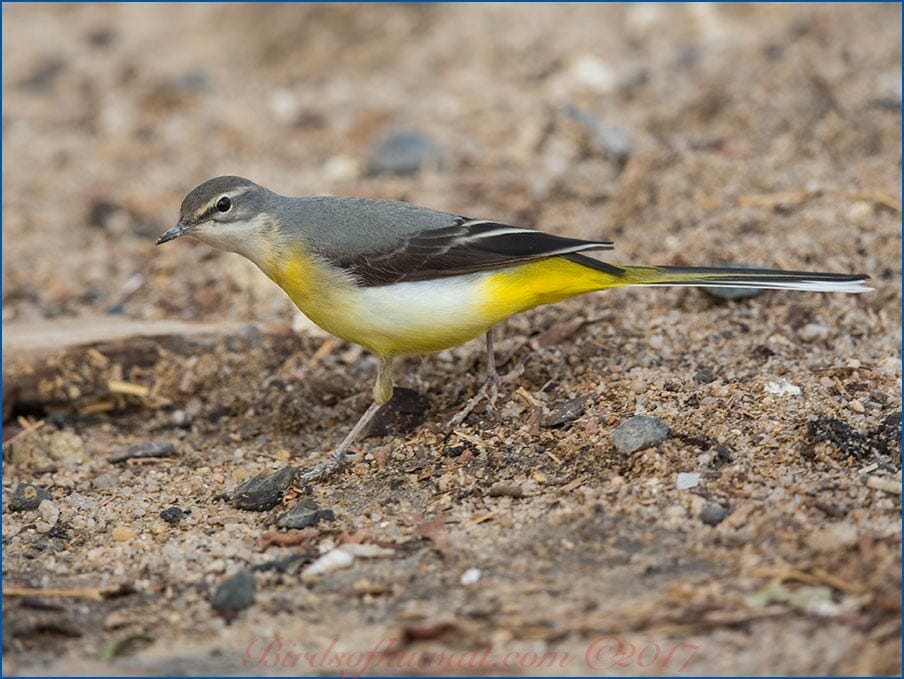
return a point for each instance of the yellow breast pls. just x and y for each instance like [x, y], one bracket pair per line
[422, 316]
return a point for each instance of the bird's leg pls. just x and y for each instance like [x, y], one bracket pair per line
[338, 458]
[489, 390]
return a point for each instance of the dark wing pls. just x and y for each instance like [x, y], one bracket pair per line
[464, 247]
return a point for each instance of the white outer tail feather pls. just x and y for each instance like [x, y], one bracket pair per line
[853, 287]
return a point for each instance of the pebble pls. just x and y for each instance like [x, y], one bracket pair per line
[713, 514]
[403, 152]
[333, 560]
[173, 514]
[638, 433]
[781, 388]
[612, 141]
[49, 512]
[27, 497]
[235, 593]
[285, 106]
[889, 90]
[857, 406]
[263, 492]
[340, 168]
[470, 577]
[592, 73]
[506, 490]
[366, 550]
[812, 332]
[305, 514]
[734, 293]
[104, 480]
[688, 480]
[144, 449]
[860, 212]
[565, 411]
[122, 533]
[704, 376]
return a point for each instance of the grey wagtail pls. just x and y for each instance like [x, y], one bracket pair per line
[401, 279]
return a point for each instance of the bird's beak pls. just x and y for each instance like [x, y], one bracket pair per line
[179, 230]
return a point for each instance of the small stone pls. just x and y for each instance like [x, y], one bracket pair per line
[611, 141]
[857, 406]
[566, 411]
[638, 433]
[781, 388]
[859, 212]
[144, 449]
[365, 550]
[263, 492]
[44, 75]
[333, 560]
[506, 490]
[104, 480]
[734, 293]
[470, 577]
[888, 90]
[305, 514]
[173, 514]
[234, 594]
[704, 376]
[688, 480]
[285, 106]
[592, 73]
[403, 152]
[713, 514]
[27, 497]
[638, 386]
[812, 332]
[341, 168]
[49, 512]
[122, 533]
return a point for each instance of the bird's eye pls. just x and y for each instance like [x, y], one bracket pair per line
[224, 204]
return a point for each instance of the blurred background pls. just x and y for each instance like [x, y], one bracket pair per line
[689, 134]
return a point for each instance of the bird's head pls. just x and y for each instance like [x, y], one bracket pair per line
[229, 213]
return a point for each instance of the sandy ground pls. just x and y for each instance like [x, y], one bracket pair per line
[521, 541]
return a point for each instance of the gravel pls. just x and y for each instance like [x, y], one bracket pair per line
[305, 514]
[143, 450]
[639, 433]
[236, 593]
[403, 152]
[713, 514]
[263, 492]
[27, 497]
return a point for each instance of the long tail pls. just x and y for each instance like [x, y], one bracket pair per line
[726, 277]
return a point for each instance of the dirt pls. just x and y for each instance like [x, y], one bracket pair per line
[519, 541]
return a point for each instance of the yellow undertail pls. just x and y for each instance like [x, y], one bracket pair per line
[523, 287]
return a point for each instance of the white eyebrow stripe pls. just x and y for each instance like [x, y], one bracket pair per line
[228, 194]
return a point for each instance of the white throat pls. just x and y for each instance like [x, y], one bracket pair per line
[249, 239]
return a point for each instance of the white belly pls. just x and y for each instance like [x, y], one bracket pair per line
[420, 316]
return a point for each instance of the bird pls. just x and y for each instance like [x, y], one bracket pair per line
[399, 279]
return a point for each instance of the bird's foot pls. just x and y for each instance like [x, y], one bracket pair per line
[334, 463]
